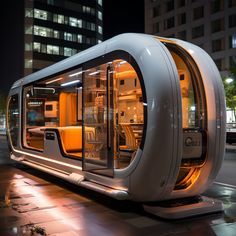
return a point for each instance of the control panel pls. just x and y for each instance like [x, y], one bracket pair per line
[192, 144]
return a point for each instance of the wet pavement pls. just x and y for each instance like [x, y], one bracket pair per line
[35, 203]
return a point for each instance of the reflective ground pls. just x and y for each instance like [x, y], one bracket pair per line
[34, 202]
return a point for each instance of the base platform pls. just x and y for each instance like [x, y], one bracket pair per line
[183, 208]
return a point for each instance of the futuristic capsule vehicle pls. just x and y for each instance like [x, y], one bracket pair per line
[136, 117]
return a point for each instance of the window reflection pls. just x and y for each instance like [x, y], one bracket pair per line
[13, 119]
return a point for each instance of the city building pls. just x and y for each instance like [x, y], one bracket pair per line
[43, 32]
[56, 29]
[210, 24]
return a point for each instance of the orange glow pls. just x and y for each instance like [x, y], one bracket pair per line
[187, 180]
[129, 74]
[43, 199]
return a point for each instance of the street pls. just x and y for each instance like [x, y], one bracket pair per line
[34, 202]
[227, 174]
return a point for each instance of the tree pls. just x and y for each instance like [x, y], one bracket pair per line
[230, 90]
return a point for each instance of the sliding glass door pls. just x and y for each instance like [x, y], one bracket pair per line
[98, 121]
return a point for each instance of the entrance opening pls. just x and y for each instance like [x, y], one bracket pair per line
[113, 109]
[194, 117]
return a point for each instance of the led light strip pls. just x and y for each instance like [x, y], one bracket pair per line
[47, 159]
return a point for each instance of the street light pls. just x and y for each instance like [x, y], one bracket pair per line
[229, 80]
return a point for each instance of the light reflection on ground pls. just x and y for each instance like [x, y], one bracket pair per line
[34, 202]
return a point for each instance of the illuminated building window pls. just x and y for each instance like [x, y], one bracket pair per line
[55, 18]
[43, 48]
[74, 51]
[79, 23]
[55, 50]
[49, 49]
[99, 41]
[28, 63]
[36, 47]
[52, 50]
[232, 41]
[42, 31]
[40, 14]
[28, 12]
[28, 47]
[79, 38]
[60, 19]
[68, 36]
[67, 52]
[99, 29]
[28, 29]
[73, 21]
[100, 2]
[88, 10]
[66, 19]
[99, 15]
[56, 34]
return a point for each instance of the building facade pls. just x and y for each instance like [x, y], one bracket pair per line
[56, 29]
[211, 24]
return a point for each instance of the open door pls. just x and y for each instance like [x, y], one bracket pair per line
[98, 131]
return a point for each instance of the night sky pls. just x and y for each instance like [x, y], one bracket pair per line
[118, 17]
[122, 16]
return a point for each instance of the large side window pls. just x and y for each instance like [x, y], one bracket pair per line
[13, 119]
[106, 129]
[54, 103]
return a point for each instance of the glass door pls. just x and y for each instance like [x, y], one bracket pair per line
[98, 143]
